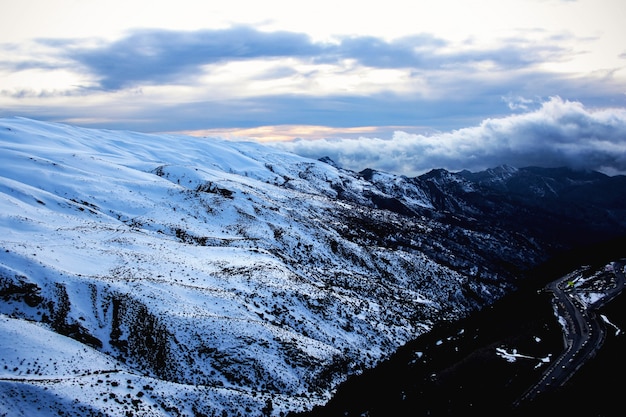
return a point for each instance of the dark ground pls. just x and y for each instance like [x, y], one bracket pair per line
[454, 370]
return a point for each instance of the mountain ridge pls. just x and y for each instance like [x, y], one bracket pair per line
[254, 279]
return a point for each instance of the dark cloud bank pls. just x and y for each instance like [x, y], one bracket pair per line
[154, 56]
[559, 133]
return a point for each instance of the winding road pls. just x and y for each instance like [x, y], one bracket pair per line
[583, 329]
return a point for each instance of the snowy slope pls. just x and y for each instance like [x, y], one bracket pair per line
[223, 276]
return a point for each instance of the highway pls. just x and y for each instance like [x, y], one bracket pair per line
[583, 329]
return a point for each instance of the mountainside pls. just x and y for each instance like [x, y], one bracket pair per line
[172, 275]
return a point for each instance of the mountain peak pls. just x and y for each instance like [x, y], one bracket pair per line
[329, 161]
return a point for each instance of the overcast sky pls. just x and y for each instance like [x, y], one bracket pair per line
[397, 85]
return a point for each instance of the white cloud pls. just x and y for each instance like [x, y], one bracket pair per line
[518, 102]
[559, 133]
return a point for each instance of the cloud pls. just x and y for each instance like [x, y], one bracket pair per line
[417, 51]
[559, 133]
[162, 56]
[239, 77]
[518, 102]
[159, 56]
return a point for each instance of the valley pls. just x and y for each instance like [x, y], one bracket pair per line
[577, 297]
[519, 357]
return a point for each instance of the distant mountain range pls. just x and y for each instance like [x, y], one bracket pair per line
[172, 275]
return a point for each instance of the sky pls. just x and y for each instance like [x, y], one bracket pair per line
[398, 85]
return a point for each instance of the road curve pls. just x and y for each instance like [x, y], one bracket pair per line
[583, 330]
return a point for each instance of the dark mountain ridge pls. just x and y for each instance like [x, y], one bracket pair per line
[578, 216]
[562, 207]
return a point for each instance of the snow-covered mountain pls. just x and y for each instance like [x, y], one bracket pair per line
[173, 275]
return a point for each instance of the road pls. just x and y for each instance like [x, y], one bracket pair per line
[583, 329]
